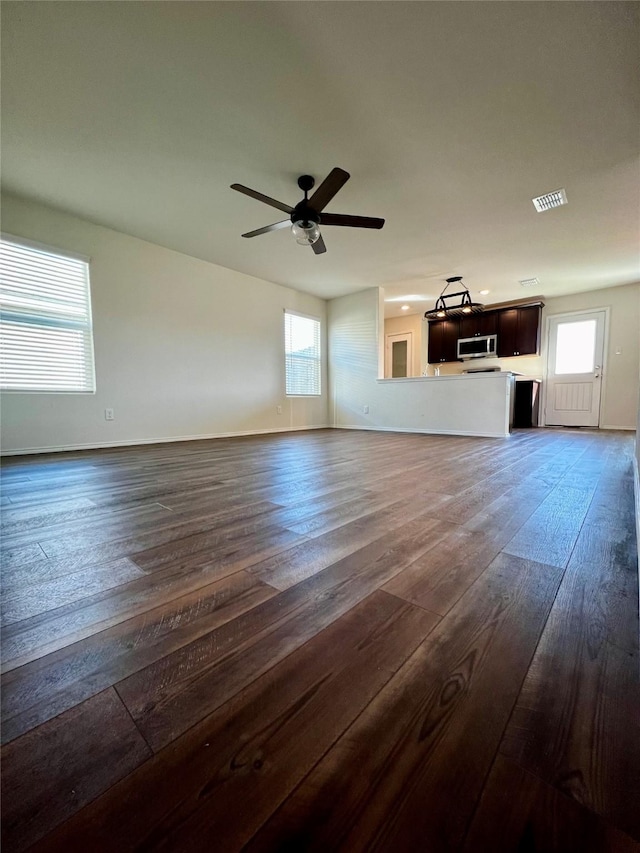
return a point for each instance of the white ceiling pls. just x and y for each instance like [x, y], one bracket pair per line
[449, 116]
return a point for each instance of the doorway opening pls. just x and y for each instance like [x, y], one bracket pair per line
[399, 356]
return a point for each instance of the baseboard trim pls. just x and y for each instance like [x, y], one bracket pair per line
[467, 433]
[626, 428]
[140, 441]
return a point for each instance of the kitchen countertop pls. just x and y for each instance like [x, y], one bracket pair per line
[453, 376]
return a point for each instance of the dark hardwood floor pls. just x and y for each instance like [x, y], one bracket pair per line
[323, 641]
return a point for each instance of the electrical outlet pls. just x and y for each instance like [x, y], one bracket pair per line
[108, 414]
[365, 410]
[279, 409]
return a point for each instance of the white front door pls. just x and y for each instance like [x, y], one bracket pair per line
[398, 356]
[574, 371]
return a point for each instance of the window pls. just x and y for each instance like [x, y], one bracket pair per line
[46, 342]
[302, 355]
[575, 347]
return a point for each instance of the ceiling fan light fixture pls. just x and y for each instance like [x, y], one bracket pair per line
[306, 232]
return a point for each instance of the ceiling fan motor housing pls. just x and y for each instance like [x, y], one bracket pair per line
[303, 213]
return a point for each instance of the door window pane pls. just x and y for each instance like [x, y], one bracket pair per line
[575, 347]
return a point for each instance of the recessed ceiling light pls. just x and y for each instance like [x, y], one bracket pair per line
[553, 199]
[484, 292]
[405, 308]
[529, 282]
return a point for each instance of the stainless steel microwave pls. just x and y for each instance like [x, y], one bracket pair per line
[482, 346]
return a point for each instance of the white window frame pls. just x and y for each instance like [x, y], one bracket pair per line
[13, 314]
[317, 360]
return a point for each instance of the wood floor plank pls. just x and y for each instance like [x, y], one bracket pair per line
[409, 771]
[168, 697]
[39, 512]
[88, 522]
[577, 720]
[32, 638]
[241, 762]
[552, 530]
[171, 528]
[288, 568]
[336, 614]
[36, 692]
[537, 818]
[48, 774]
[338, 516]
[22, 555]
[67, 543]
[441, 576]
[219, 540]
[20, 580]
[538, 471]
[44, 595]
[283, 514]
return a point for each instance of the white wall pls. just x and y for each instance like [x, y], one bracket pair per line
[183, 348]
[620, 386]
[456, 405]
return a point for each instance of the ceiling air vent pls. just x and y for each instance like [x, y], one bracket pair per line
[545, 202]
[529, 282]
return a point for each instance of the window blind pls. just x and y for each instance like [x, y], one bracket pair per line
[46, 340]
[302, 355]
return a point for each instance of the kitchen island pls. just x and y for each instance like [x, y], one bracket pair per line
[478, 404]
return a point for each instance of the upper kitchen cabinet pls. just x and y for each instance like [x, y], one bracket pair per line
[474, 325]
[519, 331]
[517, 328]
[443, 340]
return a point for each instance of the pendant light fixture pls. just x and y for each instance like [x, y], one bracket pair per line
[462, 305]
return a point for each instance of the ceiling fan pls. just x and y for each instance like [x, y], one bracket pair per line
[306, 217]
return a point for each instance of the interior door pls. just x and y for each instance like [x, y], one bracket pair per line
[398, 356]
[574, 371]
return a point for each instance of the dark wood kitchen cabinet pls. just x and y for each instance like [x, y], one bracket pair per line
[519, 331]
[475, 325]
[443, 340]
[507, 332]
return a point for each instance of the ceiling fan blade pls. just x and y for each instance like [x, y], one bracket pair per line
[334, 181]
[275, 227]
[319, 247]
[351, 221]
[260, 197]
